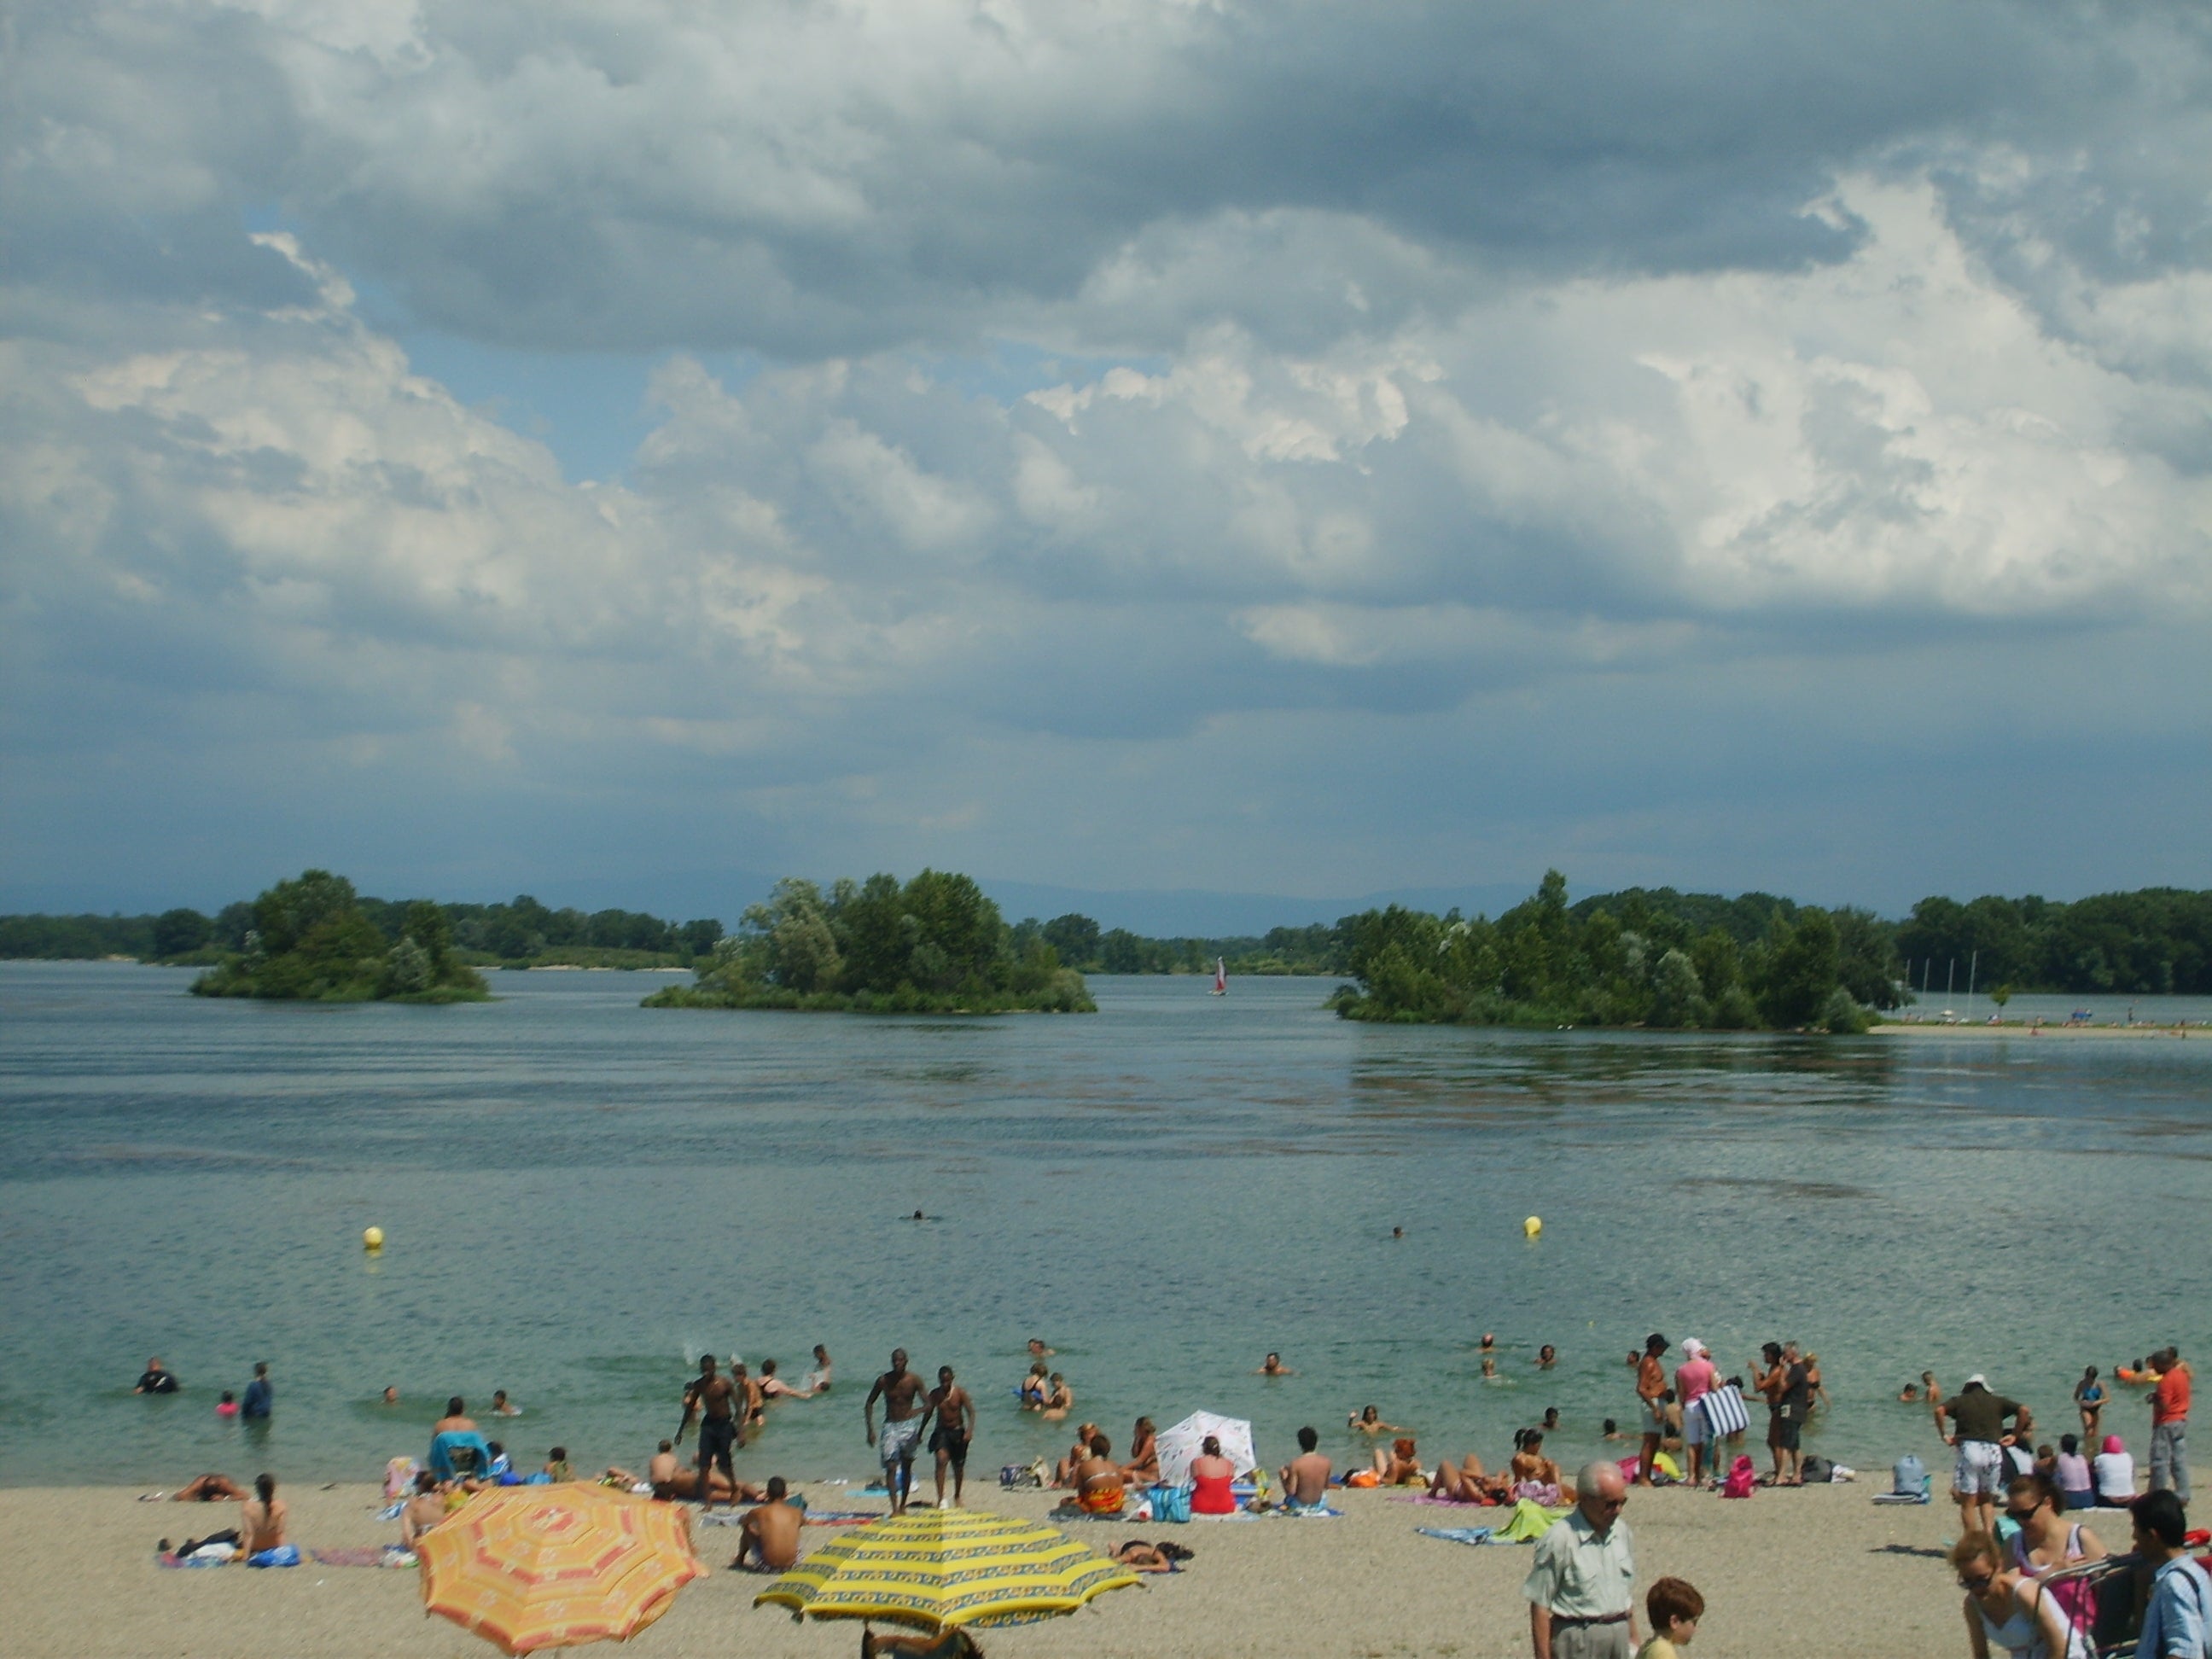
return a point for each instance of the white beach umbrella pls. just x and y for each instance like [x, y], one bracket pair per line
[1180, 1444]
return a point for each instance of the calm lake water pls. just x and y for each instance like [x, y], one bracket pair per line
[580, 1196]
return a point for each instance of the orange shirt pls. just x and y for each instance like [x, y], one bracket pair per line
[2169, 1401]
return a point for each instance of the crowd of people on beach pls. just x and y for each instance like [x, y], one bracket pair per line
[2020, 1499]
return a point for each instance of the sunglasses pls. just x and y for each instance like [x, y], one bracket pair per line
[1977, 1585]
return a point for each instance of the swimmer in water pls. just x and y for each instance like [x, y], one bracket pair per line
[1547, 1356]
[1368, 1420]
[1489, 1343]
[1489, 1368]
[1397, 1232]
[1551, 1418]
[391, 1394]
[499, 1408]
[1273, 1366]
[917, 1216]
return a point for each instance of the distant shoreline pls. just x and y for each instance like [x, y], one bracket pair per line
[2021, 1028]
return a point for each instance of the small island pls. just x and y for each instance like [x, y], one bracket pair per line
[312, 942]
[1657, 959]
[937, 945]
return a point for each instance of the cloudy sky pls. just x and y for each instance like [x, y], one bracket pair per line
[1272, 447]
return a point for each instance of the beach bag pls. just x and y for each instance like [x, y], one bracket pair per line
[1169, 1504]
[1018, 1474]
[1741, 1479]
[1724, 1412]
[1909, 1477]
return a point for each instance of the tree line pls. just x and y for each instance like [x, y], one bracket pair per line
[312, 940]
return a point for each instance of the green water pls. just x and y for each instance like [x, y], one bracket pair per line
[580, 1196]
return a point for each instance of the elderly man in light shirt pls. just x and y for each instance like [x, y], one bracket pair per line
[1582, 1603]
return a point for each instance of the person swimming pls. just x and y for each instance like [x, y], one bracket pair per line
[1368, 1420]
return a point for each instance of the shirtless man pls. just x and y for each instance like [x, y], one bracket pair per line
[1305, 1477]
[710, 1397]
[904, 1404]
[261, 1523]
[755, 1397]
[499, 1408]
[1273, 1366]
[456, 1420]
[771, 1534]
[424, 1510]
[955, 1411]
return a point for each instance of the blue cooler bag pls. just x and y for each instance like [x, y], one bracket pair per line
[1171, 1503]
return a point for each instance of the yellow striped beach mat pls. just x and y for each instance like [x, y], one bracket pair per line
[935, 1568]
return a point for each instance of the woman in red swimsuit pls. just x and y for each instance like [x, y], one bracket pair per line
[1211, 1476]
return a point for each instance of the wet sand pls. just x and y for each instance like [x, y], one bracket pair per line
[1822, 1574]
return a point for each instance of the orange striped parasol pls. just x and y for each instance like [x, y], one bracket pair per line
[532, 1567]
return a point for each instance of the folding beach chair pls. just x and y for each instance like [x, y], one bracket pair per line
[2104, 1608]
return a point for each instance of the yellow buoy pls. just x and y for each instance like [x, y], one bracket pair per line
[1532, 1226]
[373, 1239]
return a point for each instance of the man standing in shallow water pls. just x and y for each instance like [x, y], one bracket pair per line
[711, 1397]
[905, 1405]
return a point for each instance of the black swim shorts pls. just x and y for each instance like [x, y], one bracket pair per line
[1786, 1430]
[717, 1435]
[952, 1444]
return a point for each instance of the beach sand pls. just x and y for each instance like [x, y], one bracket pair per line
[1822, 1573]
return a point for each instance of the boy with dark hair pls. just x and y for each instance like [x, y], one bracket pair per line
[2175, 1624]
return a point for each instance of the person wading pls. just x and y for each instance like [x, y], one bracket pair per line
[711, 1397]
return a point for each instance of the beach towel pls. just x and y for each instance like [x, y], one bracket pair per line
[400, 1477]
[212, 1556]
[1443, 1503]
[1902, 1498]
[363, 1555]
[284, 1555]
[1724, 1412]
[1457, 1535]
[1310, 1512]
[1528, 1522]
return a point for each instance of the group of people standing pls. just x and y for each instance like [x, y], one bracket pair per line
[1706, 1411]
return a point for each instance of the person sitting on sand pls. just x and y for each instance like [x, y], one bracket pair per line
[769, 1534]
[1531, 1473]
[1143, 1465]
[1396, 1465]
[261, 1522]
[1368, 1420]
[2115, 1475]
[2005, 1609]
[2045, 1543]
[1098, 1482]
[1212, 1477]
[424, 1510]
[1305, 1477]
[1063, 1473]
[1273, 1366]
[209, 1488]
[773, 1387]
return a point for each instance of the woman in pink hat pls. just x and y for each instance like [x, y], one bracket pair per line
[1693, 1379]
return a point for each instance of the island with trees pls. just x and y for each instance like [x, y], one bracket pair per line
[937, 945]
[311, 941]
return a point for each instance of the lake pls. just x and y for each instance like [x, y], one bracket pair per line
[580, 1196]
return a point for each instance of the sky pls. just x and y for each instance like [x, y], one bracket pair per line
[1280, 449]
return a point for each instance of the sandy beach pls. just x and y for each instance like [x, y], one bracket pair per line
[2021, 1029]
[1822, 1574]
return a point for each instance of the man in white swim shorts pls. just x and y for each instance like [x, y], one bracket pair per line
[1976, 1418]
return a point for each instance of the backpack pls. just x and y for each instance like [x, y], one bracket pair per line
[1741, 1479]
[1909, 1477]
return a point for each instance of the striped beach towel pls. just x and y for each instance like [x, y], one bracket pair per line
[1724, 1412]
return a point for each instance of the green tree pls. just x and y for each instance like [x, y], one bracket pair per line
[180, 933]
[1802, 963]
[1074, 936]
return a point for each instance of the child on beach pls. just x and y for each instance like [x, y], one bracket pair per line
[1675, 1606]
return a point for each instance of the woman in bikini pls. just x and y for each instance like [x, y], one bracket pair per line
[1143, 1465]
[1368, 1420]
[1396, 1465]
[2089, 1395]
[1534, 1474]
[1464, 1482]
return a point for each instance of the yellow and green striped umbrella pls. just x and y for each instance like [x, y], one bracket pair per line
[936, 1568]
